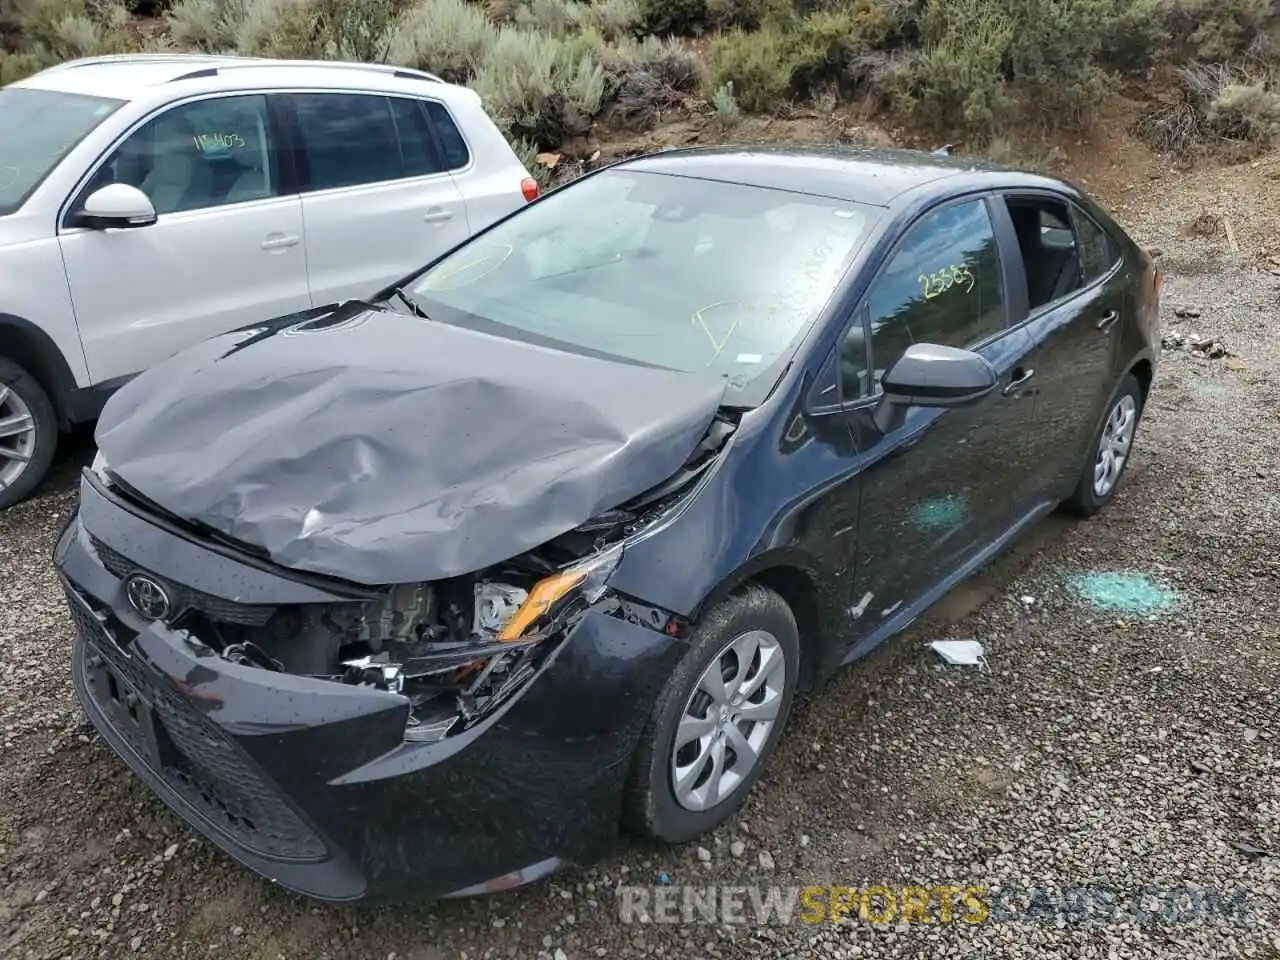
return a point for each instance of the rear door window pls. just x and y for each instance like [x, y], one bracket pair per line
[943, 285]
[1049, 247]
[352, 139]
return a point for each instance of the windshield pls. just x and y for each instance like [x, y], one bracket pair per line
[688, 274]
[37, 129]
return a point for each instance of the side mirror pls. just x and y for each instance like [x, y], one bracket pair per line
[116, 206]
[931, 375]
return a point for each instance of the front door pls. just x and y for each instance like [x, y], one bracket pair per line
[226, 249]
[1075, 297]
[946, 483]
[378, 200]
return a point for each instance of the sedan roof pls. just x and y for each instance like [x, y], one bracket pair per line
[870, 175]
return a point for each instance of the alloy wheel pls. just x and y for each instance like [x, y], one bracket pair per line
[17, 436]
[727, 720]
[1113, 446]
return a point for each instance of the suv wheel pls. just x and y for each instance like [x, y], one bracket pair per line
[28, 433]
[717, 720]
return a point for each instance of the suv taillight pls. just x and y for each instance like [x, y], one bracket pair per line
[529, 187]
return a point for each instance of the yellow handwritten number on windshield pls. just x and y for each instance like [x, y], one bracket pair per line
[938, 282]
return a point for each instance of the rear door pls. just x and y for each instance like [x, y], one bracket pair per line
[225, 251]
[947, 483]
[377, 200]
[1075, 298]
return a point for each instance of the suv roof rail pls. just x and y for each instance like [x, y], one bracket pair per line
[131, 58]
[230, 62]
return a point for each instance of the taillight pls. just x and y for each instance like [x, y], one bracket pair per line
[529, 187]
[1159, 282]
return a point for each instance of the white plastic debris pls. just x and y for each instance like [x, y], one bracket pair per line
[961, 653]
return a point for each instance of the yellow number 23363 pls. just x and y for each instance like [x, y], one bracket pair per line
[938, 282]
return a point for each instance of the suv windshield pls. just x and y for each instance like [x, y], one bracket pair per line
[37, 129]
[688, 274]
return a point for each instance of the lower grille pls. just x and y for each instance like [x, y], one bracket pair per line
[202, 763]
[185, 598]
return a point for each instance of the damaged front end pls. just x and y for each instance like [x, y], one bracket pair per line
[456, 648]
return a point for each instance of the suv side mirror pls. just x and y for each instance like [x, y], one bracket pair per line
[116, 206]
[931, 375]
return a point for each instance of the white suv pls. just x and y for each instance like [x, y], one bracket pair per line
[148, 202]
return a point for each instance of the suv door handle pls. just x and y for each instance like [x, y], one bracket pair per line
[279, 242]
[1019, 378]
[437, 216]
[1108, 319]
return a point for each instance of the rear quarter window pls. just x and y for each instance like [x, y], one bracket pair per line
[1098, 249]
[453, 146]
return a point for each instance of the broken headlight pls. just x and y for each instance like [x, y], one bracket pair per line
[585, 581]
[514, 625]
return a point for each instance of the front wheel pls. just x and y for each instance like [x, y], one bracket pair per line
[28, 433]
[717, 720]
[1111, 451]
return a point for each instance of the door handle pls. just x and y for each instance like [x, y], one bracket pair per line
[437, 216]
[1019, 378]
[1108, 318]
[279, 243]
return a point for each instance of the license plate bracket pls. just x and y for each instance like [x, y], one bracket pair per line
[128, 709]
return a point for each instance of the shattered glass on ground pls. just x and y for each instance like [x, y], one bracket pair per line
[1121, 592]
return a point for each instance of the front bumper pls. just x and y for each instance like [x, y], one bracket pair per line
[309, 782]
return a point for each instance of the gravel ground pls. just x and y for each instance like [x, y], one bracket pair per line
[1116, 750]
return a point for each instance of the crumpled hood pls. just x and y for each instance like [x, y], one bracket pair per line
[381, 448]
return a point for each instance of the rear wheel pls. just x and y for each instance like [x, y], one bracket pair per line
[1110, 452]
[28, 433]
[718, 719]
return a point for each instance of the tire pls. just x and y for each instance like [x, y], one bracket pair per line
[21, 396]
[1089, 497]
[651, 805]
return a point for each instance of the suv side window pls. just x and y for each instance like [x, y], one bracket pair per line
[350, 139]
[1098, 252]
[456, 154]
[207, 153]
[943, 285]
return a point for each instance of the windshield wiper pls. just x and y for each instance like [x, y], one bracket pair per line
[411, 303]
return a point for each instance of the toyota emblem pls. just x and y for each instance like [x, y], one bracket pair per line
[147, 597]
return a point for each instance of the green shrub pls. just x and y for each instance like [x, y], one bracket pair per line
[326, 29]
[446, 37]
[555, 17]
[1221, 30]
[536, 89]
[695, 17]
[615, 19]
[673, 17]
[1245, 111]
[958, 78]
[646, 77]
[19, 66]
[826, 51]
[212, 25]
[726, 105]
[279, 28]
[1214, 105]
[757, 64]
[40, 33]
[669, 60]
